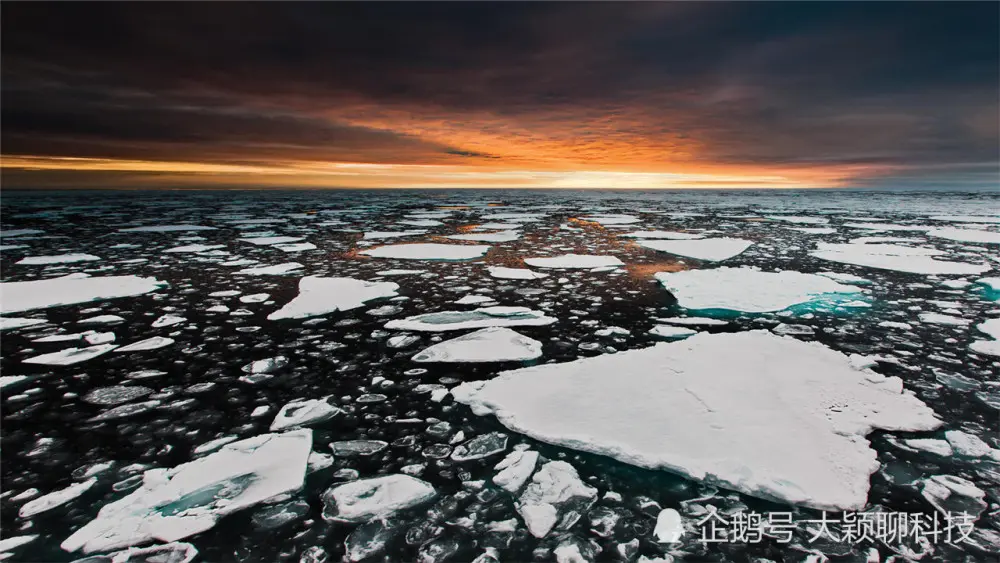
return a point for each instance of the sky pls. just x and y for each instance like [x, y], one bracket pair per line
[507, 94]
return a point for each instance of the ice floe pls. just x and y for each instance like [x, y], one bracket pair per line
[502, 236]
[502, 272]
[556, 488]
[966, 235]
[482, 317]
[910, 259]
[674, 235]
[303, 412]
[275, 270]
[47, 502]
[990, 327]
[319, 296]
[69, 290]
[71, 356]
[515, 469]
[667, 331]
[11, 323]
[749, 290]
[710, 249]
[428, 251]
[57, 259]
[380, 497]
[194, 248]
[151, 343]
[376, 235]
[166, 229]
[172, 504]
[766, 415]
[574, 261]
[493, 344]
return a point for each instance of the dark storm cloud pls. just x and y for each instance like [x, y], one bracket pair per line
[903, 84]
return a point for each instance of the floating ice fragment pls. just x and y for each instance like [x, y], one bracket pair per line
[356, 448]
[166, 229]
[478, 318]
[664, 331]
[267, 241]
[367, 499]
[515, 469]
[303, 412]
[168, 320]
[473, 300]
[966, 235]
[950, 495]
[71, 356]
[267, 365]
[691, 321]
[319, 296]
[194, 248]
[10, 323]
[766, 415]
[60, 259]
[988, 347]
[151, 343]
[574, 261]
[399, 272]
[748, 289]
[515, 273]
[937, 447]
[494, 344]
[125, 411]
[428, 251]
[555, 487]
[480, 447]
[116, 394]
[173, 504]
[673, 235]
[503, 236]
[712, 249]
[271, 270]
[69, 290]
[47, 502]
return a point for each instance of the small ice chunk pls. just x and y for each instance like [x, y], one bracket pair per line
[502, 272]
[967, 444]
[493, 344]
[951, 494]
[587, 261]
[303, 412]
[358, 448]
[515, 469]
[480, 447]
[319, 296]
[473, 300]
[268, 241]
[937, 447]
[116, 394]
[365, 500]
[428, 251]
[168, 320]
[691, 321]
[60, 259]
[555, 487]
[402, 340]
[194, 248]
[71, 356]
[275, 270]
[710, 249]
[482, 317]
[941, 319]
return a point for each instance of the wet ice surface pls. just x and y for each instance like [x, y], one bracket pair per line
[186, 283]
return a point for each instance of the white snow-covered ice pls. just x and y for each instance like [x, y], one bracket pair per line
[709, 249]
[319, 296]
[574, 261]
[482, 317]
[428, 251]
[493, 344]
[70, 290]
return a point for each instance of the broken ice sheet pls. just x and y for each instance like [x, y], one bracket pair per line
[554, 491]
[319, 296]
[380, 497]
[71, 289]
[482, 317]
[910, 259]
[428, 251]
[173, 504]
[587, 261]
[765, 415]
[71, 356]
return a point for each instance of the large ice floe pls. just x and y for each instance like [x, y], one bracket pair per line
[57, 259]
[428, 251]
[70, 290]
[750, 290]
[319, 296]
[574, 261]
[503, 272]
[494, 344]
[672, 235]
[910, 259]
[766, 415]
[988, 347]
[71, 356]
[477, 318]
[966, 235]
[172, 504]
[710, 249]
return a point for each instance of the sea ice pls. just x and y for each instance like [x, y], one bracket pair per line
[766, 415]
[988, 347]
[10, 323]
[515, 273]
[375, 235]
[194, 248]
[380, 497]
[674, 235]
[710, 249]
[275, 270]
[71, 356]
[574, 261]
[168, 320]
[428, 251]
[493, 344]
[47, 502]
[515, 469]
[473, 300]
[909, 259]
[665, 331]
[481, 446]
[502, 236]
[691, 321]
[968, 218]
[748, 289]
[70, 290]
[303, 412]
[166, 229]
[267, 241]
[950, 495]
[966, 235]
[173, 504]
[482, 317]
[151, 343]
[555, 488]
[319, 296]
[60, 259]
